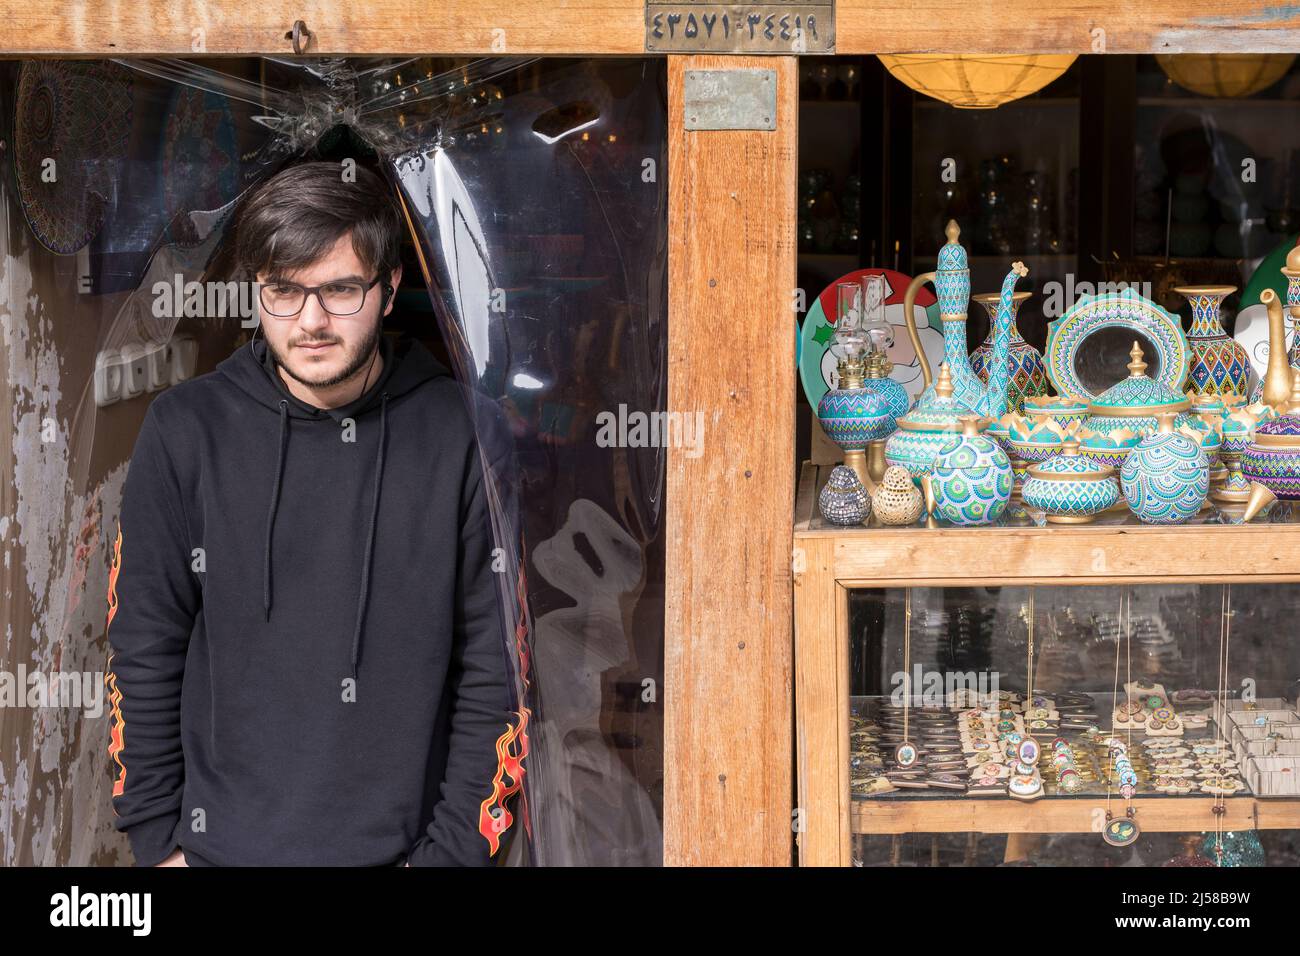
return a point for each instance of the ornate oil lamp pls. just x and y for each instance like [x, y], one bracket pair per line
[855, 417]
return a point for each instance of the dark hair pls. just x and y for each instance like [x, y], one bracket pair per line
[298, 214]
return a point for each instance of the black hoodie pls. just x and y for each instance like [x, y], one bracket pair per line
[307, 664]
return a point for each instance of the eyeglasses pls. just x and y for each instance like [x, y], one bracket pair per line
[343, 297]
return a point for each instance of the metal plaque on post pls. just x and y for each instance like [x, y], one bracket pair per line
[789, 27]
[729, 99]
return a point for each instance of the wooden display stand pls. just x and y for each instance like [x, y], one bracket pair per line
[829, 561]
[732, 266]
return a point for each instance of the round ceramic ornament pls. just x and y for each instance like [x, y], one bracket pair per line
[1166, 478]
[906, 755]
[970, 480]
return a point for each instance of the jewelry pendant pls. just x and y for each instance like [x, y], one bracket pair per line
[1121, 832]
[906, 754]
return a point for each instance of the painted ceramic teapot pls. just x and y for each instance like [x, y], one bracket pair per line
[970, 479]
[952, 287]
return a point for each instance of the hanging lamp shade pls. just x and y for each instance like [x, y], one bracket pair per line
[1225, 74]
[971, 81]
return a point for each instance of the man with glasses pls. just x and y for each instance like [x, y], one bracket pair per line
[308, 664]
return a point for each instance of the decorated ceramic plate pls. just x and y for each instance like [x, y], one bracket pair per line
[817, 365]
[1087, 347]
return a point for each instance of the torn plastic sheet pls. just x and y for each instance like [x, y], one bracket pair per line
[535, 191]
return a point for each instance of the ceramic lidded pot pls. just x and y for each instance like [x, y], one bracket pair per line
[1166, 477]
[898, 501]
[970, 479]
[1273, 459]
[844, 500]
[1125, 413]
[1070, 488]
[930, 425]
[1027, 374]
[1000, 431]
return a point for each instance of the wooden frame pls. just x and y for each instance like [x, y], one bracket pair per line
[732, 236]
[829, 562]
[603, 27]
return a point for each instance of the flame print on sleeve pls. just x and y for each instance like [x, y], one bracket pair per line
[494, 817]
[117, 730]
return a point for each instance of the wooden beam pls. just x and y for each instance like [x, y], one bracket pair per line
[1115, 549]
[728, 788]
[821, 745]
[560, 27]
[1082, 814]
[1066, 26]
[237, 27]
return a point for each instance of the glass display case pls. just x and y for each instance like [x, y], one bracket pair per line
[1116, 693]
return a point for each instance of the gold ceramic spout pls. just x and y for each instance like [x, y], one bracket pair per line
[1260, 498]
[1277, 379]
[909, 303]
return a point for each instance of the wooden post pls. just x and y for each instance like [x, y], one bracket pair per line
[727, 641]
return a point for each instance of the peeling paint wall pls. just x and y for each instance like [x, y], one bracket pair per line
[54, 779]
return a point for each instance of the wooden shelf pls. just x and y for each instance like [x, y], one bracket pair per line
[1115, 549]
[1155, 814]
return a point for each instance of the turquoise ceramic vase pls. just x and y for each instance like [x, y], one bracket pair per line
[1026, 373]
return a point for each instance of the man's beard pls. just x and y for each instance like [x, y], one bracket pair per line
[362, 357]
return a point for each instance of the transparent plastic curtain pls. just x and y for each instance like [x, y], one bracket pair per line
[535, 191]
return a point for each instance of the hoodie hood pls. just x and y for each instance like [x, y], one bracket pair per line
[252, 369]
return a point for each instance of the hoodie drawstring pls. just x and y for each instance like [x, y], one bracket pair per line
[275, 503]
[364, 593]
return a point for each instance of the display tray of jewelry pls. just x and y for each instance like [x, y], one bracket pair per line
[977, 751]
